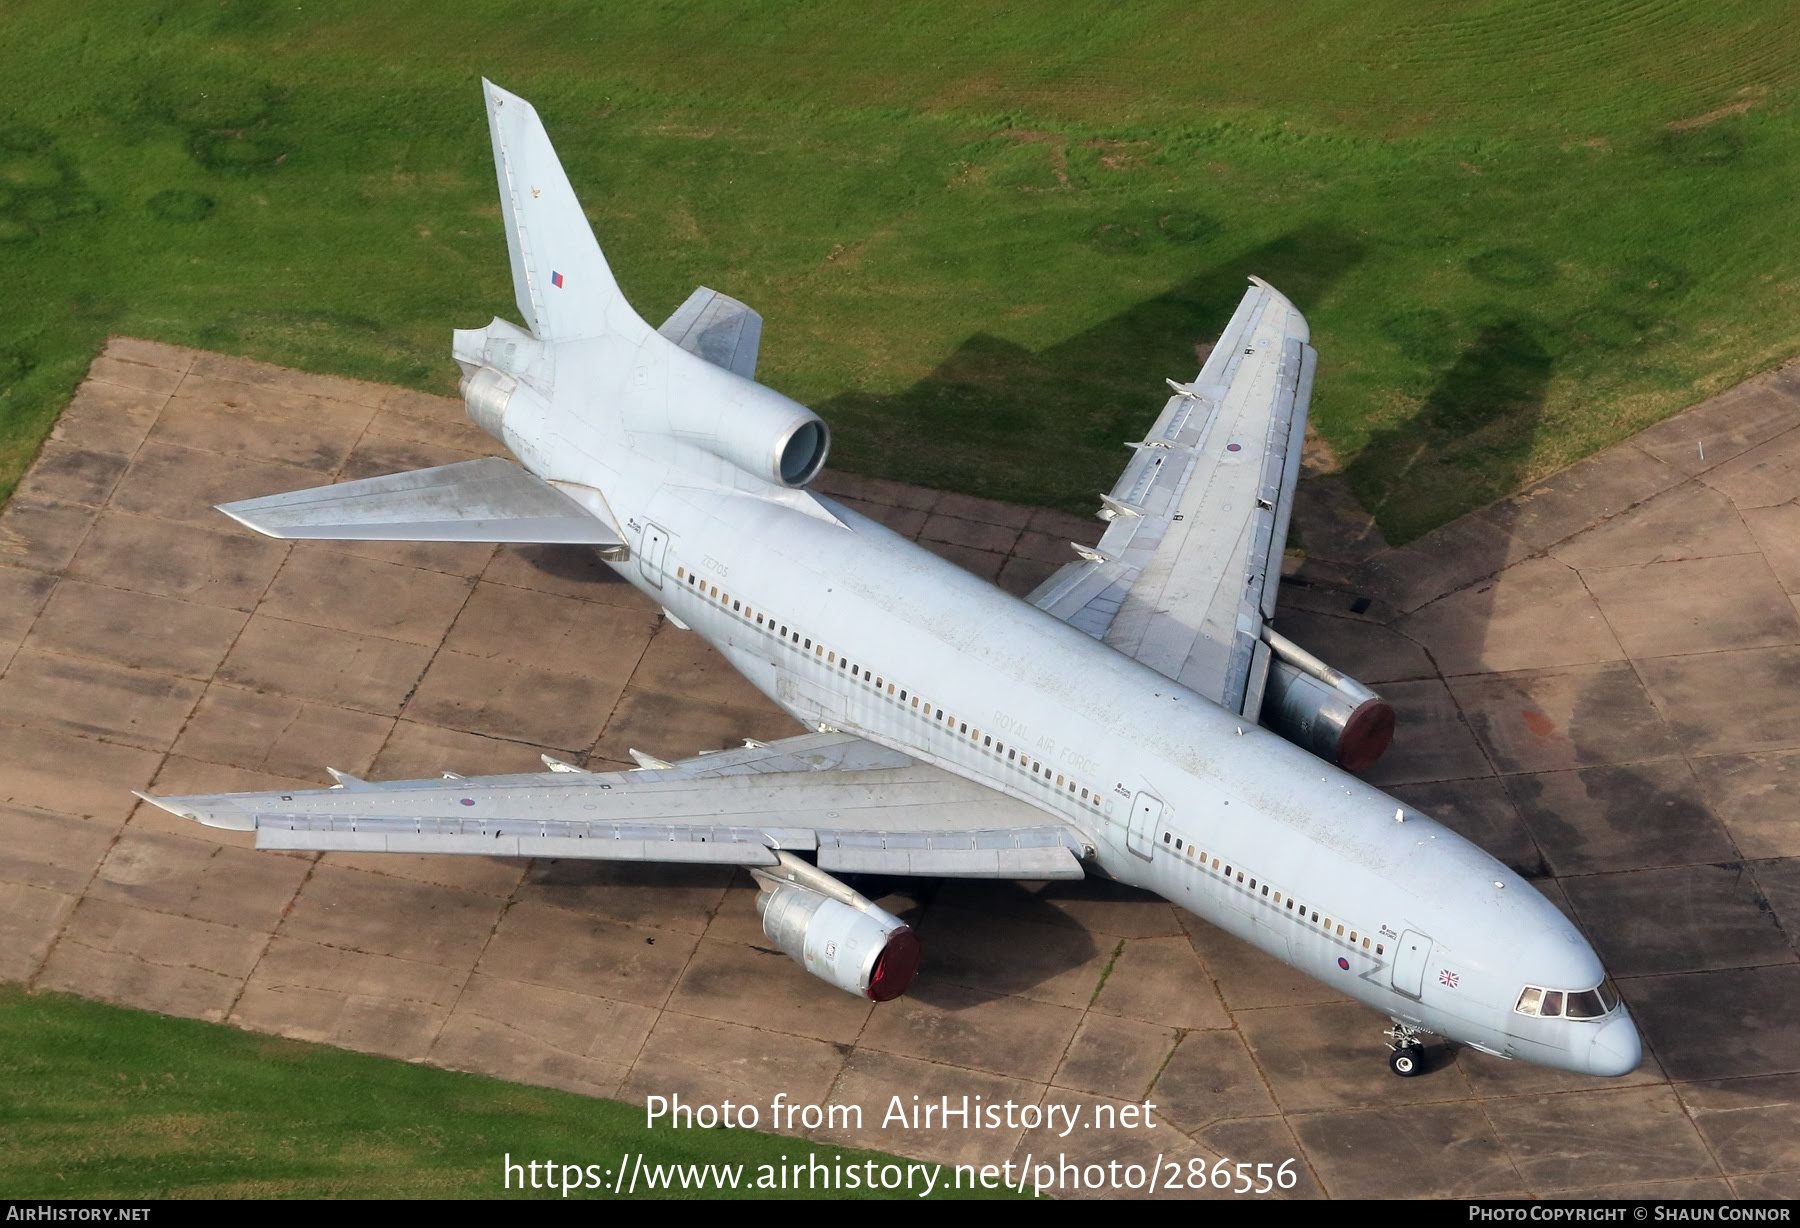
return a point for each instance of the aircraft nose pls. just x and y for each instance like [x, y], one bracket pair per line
[1616, 1049]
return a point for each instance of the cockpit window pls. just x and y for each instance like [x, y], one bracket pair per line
[1595, 1003]
[1584, 1005]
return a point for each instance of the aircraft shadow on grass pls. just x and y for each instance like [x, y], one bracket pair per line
[1103, 383]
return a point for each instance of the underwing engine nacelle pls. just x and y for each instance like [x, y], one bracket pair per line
[835, 933]
[1323, 710]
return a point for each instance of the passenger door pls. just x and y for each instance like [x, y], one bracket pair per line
[650, 561]
[1411, 954]
[1146, 815]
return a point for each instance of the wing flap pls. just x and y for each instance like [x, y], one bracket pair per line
[604, 843]
[487, 500]
[719, 329]
[960, 859]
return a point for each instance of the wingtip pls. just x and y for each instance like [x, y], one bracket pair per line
[163, 804]
[228, 820]
[234, 511]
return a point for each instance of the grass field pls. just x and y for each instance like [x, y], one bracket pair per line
[100, 1102]
[981, 235]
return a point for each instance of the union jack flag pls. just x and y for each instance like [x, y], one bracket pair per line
[1447, 977]
[556, 279]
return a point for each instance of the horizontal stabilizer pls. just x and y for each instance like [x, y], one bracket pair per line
[717, 328]
[488, 500]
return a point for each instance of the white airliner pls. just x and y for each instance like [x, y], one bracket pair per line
[1135, 718]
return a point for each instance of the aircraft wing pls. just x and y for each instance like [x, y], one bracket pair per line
[860, 807]
[1187, 571]
[487, 500]
[717, 328]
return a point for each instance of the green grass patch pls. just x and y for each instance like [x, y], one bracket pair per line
[980, 235]
[101, 1102]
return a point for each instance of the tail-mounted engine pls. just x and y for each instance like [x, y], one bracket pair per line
[758, 430]
[834, 933]
[499, 365]
[1323, 710]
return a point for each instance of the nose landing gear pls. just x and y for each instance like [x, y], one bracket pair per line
[1407, 1054]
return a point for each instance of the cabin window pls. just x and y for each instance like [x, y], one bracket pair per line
[890, 687]
[1215, 863]
[1352, 935]
[965, 727]
[1012, 755]
[681, 573]
[809, 643]
[784, 631]
[715, 590]
[1290, 904]
[915, 701]
[1084, 795]
[1278, 899]
[1315, 916]
[1365, 942]
[1265, 889]
[1253, 884]
[987, 741]
[1381, 948]
[1178, 846]
[1165, 837]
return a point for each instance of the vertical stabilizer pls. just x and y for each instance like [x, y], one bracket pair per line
[561, 280]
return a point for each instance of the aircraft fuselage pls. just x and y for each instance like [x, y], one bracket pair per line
[847, 625]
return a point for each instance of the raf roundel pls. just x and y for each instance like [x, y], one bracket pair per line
[1343, 963]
